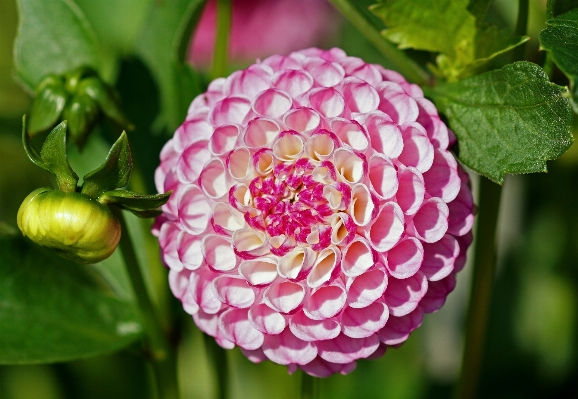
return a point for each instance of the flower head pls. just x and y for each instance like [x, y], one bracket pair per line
[317, 212]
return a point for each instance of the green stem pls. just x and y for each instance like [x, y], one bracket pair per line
[309, 386]
[218, 357]
[157, 348]
[481, 292]
[521, 26]
[224, 9]
[409, 68]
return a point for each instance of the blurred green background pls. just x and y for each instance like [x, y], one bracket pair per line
[532, 345]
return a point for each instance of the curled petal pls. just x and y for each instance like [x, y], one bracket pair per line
[302, 120]
[191, 162]
[358, 257]
[313, 330]
[396, 103]
[233, 291]
[260, 271]
[200, 286]
[386, 230]
[398, 329]
[327, 101]
[326, 302]
[359, 95]
[194, 209]
[213, 179]
[350, 133]
[364, 322]
[286, 348]
[321, 368]
[349, 165]
[439, 257]
[403, 296]
[411, 191]
[235, 326]
[266, 320]
[260, 132]
[272, 103]
[405, 258]
[366, 288]
[417, 149]
[385, 135]
[442, 179]
[325, 73]
[230, 110]
[223, 140]
[189, 250]
[218, 252]
[431, 220]
[383, 177]
[344, 349]
[284, 297]
[437, 293]
[293, 81]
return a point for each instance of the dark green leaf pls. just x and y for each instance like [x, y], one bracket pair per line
[510, 120]
[53, 153]
[557, 7]
[53, 310]
[479, 9]
[560, 38]
[82, 114]
[140, 204]
[48, 104]
[113, 173]
[161, 44]
[53, 37]
[29, 148]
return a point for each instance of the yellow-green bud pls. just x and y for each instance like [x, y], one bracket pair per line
[76, 226]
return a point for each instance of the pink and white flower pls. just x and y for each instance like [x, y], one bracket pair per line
[317, 213]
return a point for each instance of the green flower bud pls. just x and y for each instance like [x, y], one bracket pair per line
[48, 104]
[82, 115]
[76, 226]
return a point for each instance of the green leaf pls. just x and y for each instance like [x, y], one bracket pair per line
[48, 104]
[464, 41]
[29, 148]
[560, 38]
[53, 37]
[433, 25]
[510, 120]
[557, 7]
[106, 99]
[113, 173]
[140, 204]
[53, 310]
[163, 43]
[53, 153]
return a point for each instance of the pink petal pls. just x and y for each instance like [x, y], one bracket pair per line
[366, 288]
[224, 139]
[325, 73]
[417, 149]
[189, 250]
[302, 120]
[194, 209]
[234, 326]
[464, 241]
[321, 368]
[293, 82]
[255, 356]
[284, 297]
[398, 329]
[350, 165]
[168, 242]
[208, 324]
[385, 134]
[233, 291]
[360, 69]
[442, 179]
[364, 322]
[350, 133]
[431, 220]
[266, 320]
[218, 252]
[430, 120]
[260, 132]
[260, 271]
[362, 208]
[179, 282]
[286, 348]
[272, 103]
[248, 82]
[240, 164]
[387, 228]
[403, 296]
[200, 287]
[396, 103]
[191, 132]
[405, 259]
[359, 95]
[411, 190]
[313, 330]
[325, 302]
[230, 110]
[192, 160]
[437, 293]
[213, 179]
[344, 349]
[383, 177]
[461, 217]
[327, 101]
[439, 258]
[358, 257]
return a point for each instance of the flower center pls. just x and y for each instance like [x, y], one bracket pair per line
[297, 200]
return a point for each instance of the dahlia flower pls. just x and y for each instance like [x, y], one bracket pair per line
[260, 28]
[317, 213]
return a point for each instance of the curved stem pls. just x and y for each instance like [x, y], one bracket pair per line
[481, 292]
[409, 68]
[224, 10]
[309, 386]
[218, 356]
[156, 345]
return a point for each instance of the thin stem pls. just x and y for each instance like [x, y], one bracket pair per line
[521, 26]
[409, 68]
[309, 386]
[224, 9]
[156, 345]
[218, 356]
[481, 292]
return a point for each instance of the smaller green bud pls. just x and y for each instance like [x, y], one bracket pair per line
[106, 98]
[76, 226]
[82, 113]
